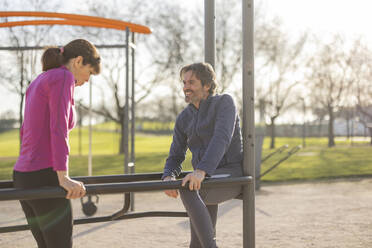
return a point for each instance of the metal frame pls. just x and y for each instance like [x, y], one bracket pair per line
[71, 19]
[248, 106]
[129, 167]
[23, 48]
[249, 238]
[247, 181]
[91, 21]
[113, 184]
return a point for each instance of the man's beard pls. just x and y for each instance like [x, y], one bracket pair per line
[188, 98]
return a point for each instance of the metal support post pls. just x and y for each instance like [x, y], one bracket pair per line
[126, 106]
[248, 124]
[133, 122]
[126, 118]
[90, 129]
[209, 32]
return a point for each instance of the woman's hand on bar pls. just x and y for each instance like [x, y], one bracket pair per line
[75, 189]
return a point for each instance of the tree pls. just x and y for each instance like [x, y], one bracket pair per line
[278, 59]
[347, 113]
[17, 78]
[171, 48]
[330, 79]
[164, 51]
[362, 72]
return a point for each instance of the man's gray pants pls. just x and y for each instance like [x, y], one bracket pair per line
[202, 208]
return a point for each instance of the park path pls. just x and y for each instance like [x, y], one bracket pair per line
[326, 214]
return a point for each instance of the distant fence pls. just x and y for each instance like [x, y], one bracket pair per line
[282, 130]
[155, 127]
[313, 130]
[7, 124]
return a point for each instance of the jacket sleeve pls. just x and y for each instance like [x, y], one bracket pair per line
[60, 101]
[177, 152]
[222, 135]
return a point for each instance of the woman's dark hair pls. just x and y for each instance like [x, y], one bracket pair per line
[54, 57]
[204, 72]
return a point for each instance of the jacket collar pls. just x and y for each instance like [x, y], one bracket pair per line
[203, 103]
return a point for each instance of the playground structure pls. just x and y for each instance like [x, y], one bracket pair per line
[89, 207]
[135, 183]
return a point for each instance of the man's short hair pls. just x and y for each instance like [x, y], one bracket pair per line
[204, 72]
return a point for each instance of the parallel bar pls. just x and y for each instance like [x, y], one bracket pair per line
[279, 150]
[108, 179]
[115, 188]
[289, 154]
[16, 228]
[7, 229]
[6, 184]
[248, 124]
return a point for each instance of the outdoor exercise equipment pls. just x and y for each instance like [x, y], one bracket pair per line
[112, 184]
[89, 207]
[135, 182]
[90, 21]
[279, 150]
[289, 154]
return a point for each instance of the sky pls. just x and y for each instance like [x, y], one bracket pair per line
[350, 18]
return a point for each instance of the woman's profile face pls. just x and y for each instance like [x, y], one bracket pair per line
[82, 72]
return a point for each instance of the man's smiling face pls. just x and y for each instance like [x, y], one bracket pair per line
[193, 89]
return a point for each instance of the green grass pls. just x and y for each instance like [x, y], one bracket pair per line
[321, 162]
[151, 152]
[9, 144]
[312, 142]
[313, 162]
[103, 164]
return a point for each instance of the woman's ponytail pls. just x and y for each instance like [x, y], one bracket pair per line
[52, 58]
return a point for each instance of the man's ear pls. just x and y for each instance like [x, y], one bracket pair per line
[207, 86]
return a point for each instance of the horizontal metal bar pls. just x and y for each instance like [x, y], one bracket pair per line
[6, 184]
[114, 188]
[279, 150]
[7, 229]
[289, 154]
[17, 228]
[124, 178]
[108, 178]
[24, 48]
[130, 216]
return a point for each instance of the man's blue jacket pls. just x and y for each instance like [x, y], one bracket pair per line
[212, 133]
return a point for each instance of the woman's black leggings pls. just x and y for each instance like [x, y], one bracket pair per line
[50, 220]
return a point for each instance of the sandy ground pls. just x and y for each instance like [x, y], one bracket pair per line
[334, 213]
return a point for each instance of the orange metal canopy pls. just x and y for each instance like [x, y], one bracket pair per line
[72, 19]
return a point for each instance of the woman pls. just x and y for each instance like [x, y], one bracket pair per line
[43, 161]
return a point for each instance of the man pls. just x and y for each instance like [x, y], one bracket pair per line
[209, 128]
